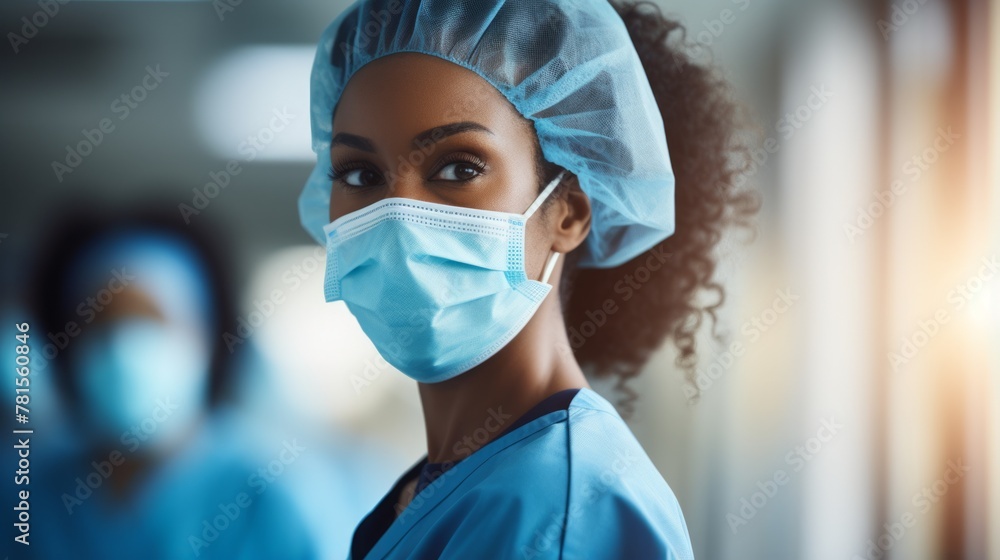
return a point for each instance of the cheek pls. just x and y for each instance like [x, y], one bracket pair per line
[337, 208]
[342, 203]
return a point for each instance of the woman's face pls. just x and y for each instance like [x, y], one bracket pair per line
[415, 126]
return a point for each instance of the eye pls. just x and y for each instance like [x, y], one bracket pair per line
[355, 177]
[462, 170]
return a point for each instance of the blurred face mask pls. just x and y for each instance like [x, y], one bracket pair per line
[142, 382]
[438, 289]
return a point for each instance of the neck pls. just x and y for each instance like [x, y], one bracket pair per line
[489, 398]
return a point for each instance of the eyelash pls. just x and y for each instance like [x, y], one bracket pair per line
[338, 170]
[469, 159]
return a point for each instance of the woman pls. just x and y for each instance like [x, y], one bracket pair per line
[145, 458]
[471, 155]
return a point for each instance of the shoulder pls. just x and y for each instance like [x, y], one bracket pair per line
[619, 504]
[584, 486]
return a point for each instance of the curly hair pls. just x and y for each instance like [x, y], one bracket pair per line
[616, 318]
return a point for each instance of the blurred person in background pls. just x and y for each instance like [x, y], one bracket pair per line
[463, 148]
[147, 465]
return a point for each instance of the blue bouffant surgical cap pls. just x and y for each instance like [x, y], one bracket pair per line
[567, 65]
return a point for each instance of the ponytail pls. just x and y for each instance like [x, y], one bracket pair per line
[658, 295]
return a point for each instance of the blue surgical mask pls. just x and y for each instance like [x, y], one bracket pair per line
[143, 377]
[438, 289]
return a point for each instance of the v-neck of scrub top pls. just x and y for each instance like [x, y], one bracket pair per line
[380, 520]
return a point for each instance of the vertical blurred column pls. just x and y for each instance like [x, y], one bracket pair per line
[986, 95]
[920, 256]
[937, 281]
[992, 394]
[973, 99]
[916, 52]
[828, 171]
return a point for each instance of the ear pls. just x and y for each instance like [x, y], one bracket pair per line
[569, 217]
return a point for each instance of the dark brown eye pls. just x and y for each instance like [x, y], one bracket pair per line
[357, 178]
[366, 177]
[458, 171]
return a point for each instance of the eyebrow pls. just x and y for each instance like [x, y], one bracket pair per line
[435, 134]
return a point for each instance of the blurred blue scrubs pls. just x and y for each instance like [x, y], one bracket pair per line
[205, 501]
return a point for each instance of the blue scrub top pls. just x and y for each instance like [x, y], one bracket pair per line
[570, 483]
[208, 501]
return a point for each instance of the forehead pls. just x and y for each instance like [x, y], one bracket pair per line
[407, 93]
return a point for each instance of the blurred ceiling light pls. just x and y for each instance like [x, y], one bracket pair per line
[253, 104]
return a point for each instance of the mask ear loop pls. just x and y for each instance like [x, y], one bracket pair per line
[550, 265]
[543, 195]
